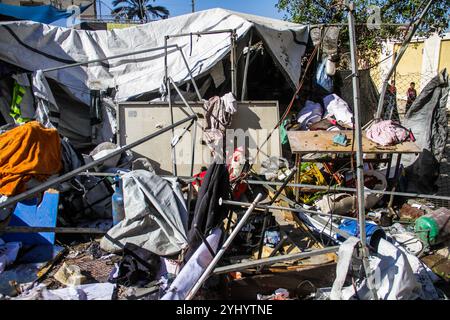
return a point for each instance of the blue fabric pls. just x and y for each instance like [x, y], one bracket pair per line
[44, 14]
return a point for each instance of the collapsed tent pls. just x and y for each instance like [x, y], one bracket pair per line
[43, 46]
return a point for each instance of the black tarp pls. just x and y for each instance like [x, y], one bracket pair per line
[427, 119]
[368, 92]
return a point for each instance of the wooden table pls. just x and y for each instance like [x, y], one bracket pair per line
[304, 142]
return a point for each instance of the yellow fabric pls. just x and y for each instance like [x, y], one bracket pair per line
[28, 151]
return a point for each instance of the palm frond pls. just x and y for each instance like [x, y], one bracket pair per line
[158, 11]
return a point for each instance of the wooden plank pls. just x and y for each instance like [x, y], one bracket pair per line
[322, 142]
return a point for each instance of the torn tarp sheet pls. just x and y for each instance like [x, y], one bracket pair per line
[155, 216]
[397, 275]
[427, 118]
[34, 46]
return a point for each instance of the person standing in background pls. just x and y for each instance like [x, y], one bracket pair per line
[411, 95]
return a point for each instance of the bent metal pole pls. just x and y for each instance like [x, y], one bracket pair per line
[67, 176]
[222, 250]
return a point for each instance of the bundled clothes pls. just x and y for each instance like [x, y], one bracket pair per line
[28, 151]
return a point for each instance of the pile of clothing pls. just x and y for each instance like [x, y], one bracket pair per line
[218, 116]
[332, 113]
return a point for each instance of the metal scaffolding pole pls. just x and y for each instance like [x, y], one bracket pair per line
[233, 64]
[45, 185]
[27, 229]
[181, 95]
[307, 186]
[345, 189]
[169, 98]
[316, 218]
[359, 153]
[247, 62]
[298, 210]
[193, 142]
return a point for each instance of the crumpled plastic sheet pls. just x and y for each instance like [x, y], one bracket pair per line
[397, 274]
[93, 291]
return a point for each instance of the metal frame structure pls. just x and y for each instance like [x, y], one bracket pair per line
[168, 81]
[211, 268]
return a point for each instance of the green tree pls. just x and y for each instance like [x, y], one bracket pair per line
[394, 15]
[140, 9]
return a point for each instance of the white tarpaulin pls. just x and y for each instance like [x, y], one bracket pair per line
[35, 46]
[398, 275]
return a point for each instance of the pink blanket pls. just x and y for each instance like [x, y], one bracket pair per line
[387, 133]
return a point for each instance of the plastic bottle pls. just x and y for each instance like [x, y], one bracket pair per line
[118, 209]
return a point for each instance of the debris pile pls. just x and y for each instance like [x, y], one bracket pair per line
[254, 206]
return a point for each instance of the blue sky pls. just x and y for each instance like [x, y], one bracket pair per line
[264, 8]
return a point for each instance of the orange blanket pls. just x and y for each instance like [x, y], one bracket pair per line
[28, 151]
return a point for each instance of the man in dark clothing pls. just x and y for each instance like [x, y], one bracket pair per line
[411, 95]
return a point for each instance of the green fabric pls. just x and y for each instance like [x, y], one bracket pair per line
[283, 132]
